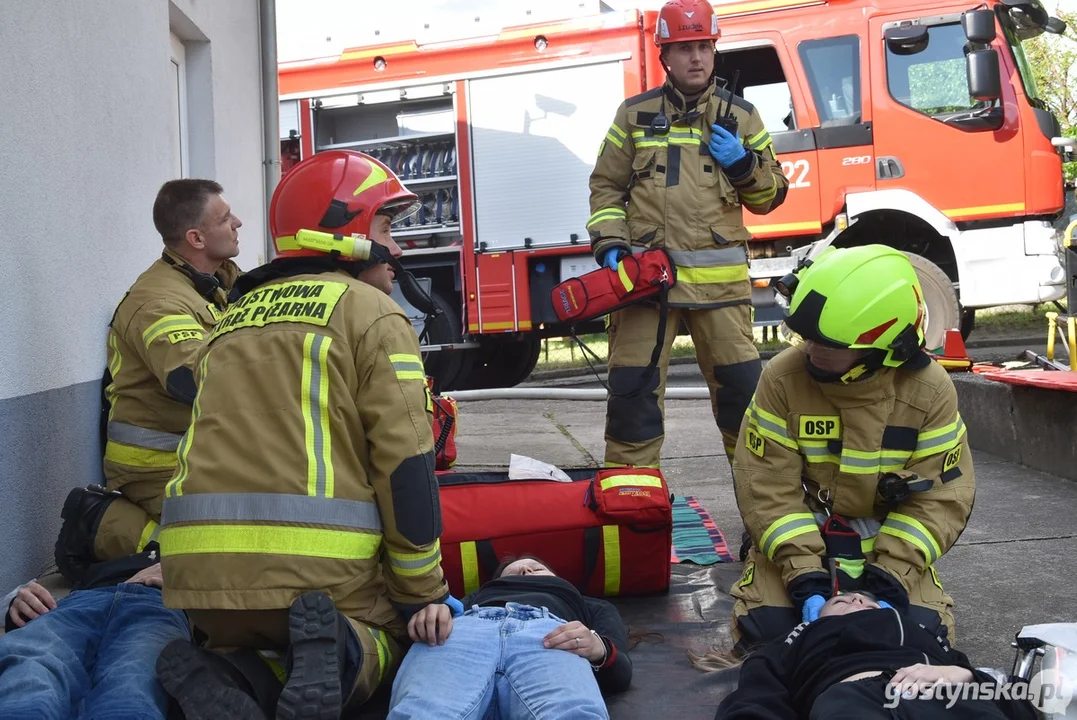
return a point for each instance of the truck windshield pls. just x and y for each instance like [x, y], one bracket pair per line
[1028, 80]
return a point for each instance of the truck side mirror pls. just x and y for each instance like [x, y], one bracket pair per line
[985, 83]
[906, 39]
[979, 26]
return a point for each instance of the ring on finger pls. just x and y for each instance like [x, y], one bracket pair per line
[577, 643]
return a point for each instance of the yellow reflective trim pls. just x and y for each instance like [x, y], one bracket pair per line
[139, 457]
[611, 464]
[385, 658]
[618, 131]
[761, 197]
[168, 324]
[867, 545]
[633, 480]
[606, 214]
[771, 435]
[934, 552]
[146, 536]
[269, 540]
[611, 555]
[308, 426]
[405, 358]
[984, 210]
[323, 411]
[411, 375]
[785, 520]
[615, 140]
[115, 362]
[622, 275]
[710, 275]
[416, 571]
[469, 563]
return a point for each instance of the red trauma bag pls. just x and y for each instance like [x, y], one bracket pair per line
[602, 291]
[445, 424]
[608, 532]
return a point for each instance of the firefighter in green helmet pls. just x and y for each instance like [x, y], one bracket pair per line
[852, 469]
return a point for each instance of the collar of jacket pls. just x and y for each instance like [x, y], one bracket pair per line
[679, 100]
[212, 287]
[290, 267]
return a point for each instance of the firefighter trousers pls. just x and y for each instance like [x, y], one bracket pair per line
[130, 521]
[763, 611]
[726, 354]
[267, 632]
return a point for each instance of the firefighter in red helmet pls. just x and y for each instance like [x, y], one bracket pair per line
[675, 170]
[304, 515]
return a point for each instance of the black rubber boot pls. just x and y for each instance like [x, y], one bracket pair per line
[316, 661]
[82, 515]
[204, 684]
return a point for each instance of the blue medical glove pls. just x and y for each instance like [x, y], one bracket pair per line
[613, 256]
[725, 148]
[812, 606]
[455, 606]
[883, 603]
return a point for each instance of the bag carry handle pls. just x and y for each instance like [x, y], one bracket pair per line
[592, 544]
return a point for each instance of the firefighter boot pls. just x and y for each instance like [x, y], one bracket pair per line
[317, 664]
[205, 685]
[82, 515]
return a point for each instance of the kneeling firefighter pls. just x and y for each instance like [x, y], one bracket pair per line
[674, 171]
[303, 520]
[853, 433]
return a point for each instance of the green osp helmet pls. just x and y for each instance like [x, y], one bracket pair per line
[864, 297]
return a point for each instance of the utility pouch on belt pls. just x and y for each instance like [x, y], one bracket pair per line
[845, 554]
[608, 532]
[600, 292]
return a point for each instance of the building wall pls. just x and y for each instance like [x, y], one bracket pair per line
[88, 132]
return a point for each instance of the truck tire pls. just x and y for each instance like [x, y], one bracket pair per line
[447, 367]
[505, 364]
[943, 308]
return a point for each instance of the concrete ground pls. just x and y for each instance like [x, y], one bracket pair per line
[1014, 565]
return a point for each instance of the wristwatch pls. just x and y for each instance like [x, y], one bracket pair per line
[605, 653]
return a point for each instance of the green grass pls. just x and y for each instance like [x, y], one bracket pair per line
[1012, 320]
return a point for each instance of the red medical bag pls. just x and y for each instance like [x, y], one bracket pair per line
[608, 532]
[602, 291]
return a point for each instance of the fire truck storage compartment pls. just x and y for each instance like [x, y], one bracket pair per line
[534, 144]
[412, 130]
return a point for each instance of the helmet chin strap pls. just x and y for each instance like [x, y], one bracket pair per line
[870, 363]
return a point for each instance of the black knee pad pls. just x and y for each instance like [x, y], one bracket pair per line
[637, 418]
[738, 385]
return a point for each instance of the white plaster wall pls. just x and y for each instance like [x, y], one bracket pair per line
[86, 140]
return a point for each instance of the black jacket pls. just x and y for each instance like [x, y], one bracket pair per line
[783, 680]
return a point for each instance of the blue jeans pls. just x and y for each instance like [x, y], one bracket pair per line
[94, 656]
[494, 666]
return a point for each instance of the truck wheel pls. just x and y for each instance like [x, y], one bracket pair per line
[943, 308]
[447, 366]
[505, 364]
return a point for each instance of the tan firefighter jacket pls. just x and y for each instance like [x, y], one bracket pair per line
[309, 463]
[650, 189]
[153, 341]
[839, 439]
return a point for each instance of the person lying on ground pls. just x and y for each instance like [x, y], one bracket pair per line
[92, 653]
[528, 645]
[860, 659]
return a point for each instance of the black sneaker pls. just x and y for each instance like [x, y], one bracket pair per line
[82, 515]
[313, 690]
[201, 685]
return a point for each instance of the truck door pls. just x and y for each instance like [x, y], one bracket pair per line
[962, 156]
[765, 81]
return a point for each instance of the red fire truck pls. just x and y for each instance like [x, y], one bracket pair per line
[913, 123]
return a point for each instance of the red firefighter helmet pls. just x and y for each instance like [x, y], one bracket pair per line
[685, 21]
[338, 192]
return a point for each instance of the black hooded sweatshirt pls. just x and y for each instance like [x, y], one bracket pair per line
[783, 680]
